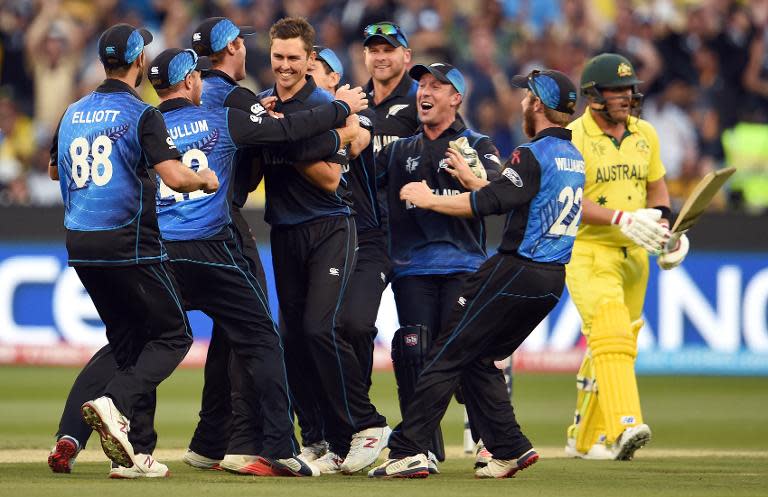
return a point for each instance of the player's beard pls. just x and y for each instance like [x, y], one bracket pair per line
[529, 124]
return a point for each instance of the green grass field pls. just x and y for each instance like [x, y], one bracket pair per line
[710, 437]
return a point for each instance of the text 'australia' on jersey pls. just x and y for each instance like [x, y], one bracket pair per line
[422, 241]
[541, 188]
[290, 198]
[202, 137]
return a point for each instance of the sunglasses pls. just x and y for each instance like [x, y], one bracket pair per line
[386, 28]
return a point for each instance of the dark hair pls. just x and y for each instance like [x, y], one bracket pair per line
[294, 27]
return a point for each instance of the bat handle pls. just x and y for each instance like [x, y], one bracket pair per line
[673, 240]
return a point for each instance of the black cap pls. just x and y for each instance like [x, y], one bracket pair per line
[214, 33]
[553, 88]
[445, 73]
[173, 65]
[122, 44]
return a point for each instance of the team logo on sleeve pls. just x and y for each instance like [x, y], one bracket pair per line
[197, 37]
[258, 109]
[170, 143]
[256, 119]
[512, 176]
[364, 121]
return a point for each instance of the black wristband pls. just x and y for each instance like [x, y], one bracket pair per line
[666, 212]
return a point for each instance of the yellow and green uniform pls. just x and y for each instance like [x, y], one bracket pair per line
[608, 275]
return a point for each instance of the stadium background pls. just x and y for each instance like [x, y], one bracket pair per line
[705, 67]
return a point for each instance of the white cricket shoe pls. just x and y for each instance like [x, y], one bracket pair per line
[598, 452]
[407, 467]
[195, 460]
[328, 464]
[112, 427]
[365, 448]
[631, 439]
[482, 455]
[242, 464]
[434, 469]
[146, 467]
[314, 451]
[506, 468]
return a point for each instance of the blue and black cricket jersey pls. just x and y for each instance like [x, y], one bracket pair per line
[104, 148]
[210, 138]
[540, 190]
[422, 241]
[396, 115]
[220, 90]
[292, 199]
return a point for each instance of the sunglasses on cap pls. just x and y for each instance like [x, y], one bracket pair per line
[387, 29]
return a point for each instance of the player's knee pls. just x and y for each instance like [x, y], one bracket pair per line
[612, 331]
[351, 326]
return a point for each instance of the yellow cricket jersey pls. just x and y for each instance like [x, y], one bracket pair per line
[616, 176]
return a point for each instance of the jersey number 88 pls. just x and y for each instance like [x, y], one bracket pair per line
[100, 167]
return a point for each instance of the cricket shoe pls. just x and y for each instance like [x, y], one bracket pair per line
[434, 469]
[506, 468]
[63, 455]
[407, 467]
[482, 455]
[329, 464]
[243, 464]
[631, 439]
[598, 452]
[293, 466]
[314, 451]
[146, 467]
[112, 427]
[365, 448]
[198, 461]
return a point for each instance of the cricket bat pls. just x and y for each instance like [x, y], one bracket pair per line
[698, 201]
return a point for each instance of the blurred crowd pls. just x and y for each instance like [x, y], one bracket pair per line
[704, 65]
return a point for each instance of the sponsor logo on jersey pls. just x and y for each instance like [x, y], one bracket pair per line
[256, 119]
[411, 340]
[493, 158]
[154, 70]
[364, 121]
[258, 109]
[462, 301]
[334, 271]
[170, 143]
[197, 37]
[512, 176]
[395, 109]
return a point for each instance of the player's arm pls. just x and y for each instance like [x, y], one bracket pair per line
[420, 195]
[325, 175]
[161, 153]
[364, 135]
[658, 198]
[53, 161]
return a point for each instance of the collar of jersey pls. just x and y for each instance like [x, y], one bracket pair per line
[554, 131]
[221, 74]
[115, 85]
[456, 127]
[173, 104]
[302, 94]
[592, 129]
[401, 90]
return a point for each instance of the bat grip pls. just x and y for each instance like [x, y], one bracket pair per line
[673, 240]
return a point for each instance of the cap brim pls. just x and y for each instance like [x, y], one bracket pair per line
[389, 39]
[419, 70]
[246, 30]
[519, 81]
[203, 64]
[146, 36]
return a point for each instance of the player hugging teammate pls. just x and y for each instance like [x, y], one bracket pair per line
[356, 199]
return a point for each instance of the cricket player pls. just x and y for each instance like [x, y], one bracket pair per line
[106, 152]
[509, 295]
[432, 254]
[314, 241]
[626, 216]
[225, 435]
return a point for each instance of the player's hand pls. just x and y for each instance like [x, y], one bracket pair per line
[355, 98]
[456, 165]
[642, 227]
[417, 194]
[349, 132]
[269, 105]
[210, 181]
[674, 252]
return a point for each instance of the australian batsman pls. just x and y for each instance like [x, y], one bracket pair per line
[626, 216]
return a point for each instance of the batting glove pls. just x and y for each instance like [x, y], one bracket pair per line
[643, 228]
[461, 145]
[674, 253]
